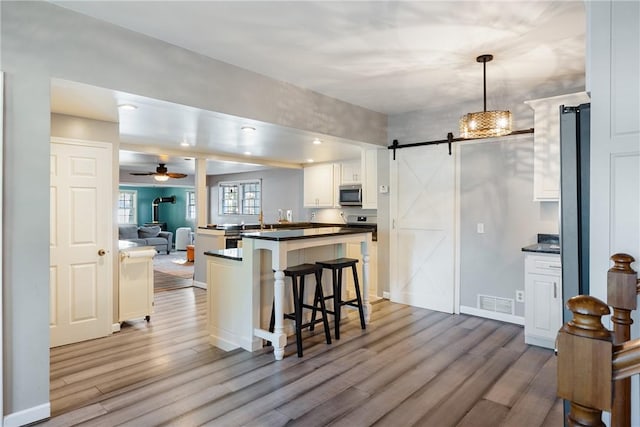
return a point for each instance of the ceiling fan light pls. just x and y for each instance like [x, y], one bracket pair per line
[161, 178]
[485, 124]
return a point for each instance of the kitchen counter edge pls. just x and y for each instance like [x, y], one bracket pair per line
[305, 233]
[543, 248]
[234, 254]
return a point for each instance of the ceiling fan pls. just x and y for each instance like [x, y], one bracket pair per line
[161, 173]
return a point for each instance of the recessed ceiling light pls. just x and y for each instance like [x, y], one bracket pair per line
[247, 153]
[309, 160]
[129, 107]
[317, 141]
[248, 129]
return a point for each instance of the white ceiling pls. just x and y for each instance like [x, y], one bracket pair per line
[159, 127]
[388, 56]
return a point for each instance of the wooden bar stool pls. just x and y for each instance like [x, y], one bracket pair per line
[297, 274]
[336, 266]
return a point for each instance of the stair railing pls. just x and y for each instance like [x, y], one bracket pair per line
[595, 364]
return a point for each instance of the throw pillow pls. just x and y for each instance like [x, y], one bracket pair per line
[127, 231]
[145, 232]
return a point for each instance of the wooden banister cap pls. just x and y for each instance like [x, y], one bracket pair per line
[622, 263]
[587, 314]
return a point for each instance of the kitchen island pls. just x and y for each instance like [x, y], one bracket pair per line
[241, 284]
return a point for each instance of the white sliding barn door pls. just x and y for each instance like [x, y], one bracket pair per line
[422, 249]
[80, 243]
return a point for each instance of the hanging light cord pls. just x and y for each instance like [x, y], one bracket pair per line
[484, 82]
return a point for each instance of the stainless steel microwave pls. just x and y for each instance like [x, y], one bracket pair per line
[350, 195]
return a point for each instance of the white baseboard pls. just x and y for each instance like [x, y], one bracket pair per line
[28, 416]
[509, 318]
[201, 285]
[540, 342]
[115, 327]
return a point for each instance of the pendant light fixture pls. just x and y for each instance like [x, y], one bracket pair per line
[485, 124]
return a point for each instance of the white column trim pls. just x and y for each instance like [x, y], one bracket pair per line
[201, 192]
[28, 416]
[1, 244]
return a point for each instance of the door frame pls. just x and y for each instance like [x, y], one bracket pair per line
[1, 246]
[110, 243]
[393, 212]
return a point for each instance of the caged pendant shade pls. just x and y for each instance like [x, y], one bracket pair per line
[485, 123]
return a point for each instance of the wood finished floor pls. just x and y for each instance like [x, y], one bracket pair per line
[410, 367]
[168, 282]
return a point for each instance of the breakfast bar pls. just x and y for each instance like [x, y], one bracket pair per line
[236, 280]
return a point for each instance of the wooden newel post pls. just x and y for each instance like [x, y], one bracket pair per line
[584, 362]
[622, 297]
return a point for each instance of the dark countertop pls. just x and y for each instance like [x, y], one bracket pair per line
[233, 254]
[547, 244]
[245, 229]
[252, 226]
[304, 233]
[546, 248]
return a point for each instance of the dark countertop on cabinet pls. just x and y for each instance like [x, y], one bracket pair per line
[304, 233]
[547, 244]
[233, 253]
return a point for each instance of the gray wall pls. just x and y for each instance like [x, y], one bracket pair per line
[85, 129]
[281, 189]
[496, 189]
[39, 41]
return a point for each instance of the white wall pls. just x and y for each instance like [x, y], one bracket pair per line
[613, 71]
[40, 41]
[273, 196]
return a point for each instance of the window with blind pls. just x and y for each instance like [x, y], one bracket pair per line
[240, 197]
[127, 207]
[191, 205]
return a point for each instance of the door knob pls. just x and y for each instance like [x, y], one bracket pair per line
[102, 252]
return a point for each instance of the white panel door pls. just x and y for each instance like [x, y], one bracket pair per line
[423, 220]
[80, 243]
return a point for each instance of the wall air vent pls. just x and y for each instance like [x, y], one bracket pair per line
[495, 304]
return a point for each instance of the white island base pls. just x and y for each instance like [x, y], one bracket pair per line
[241, 283]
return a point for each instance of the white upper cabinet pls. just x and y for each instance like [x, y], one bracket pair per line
[546, 146]
[321, 181]
[351, 173]
[320, 185]
[369, 179]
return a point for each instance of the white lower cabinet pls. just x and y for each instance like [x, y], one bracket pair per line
[135, 284]
[543, 299]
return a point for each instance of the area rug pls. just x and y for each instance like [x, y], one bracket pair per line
[175, 264]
